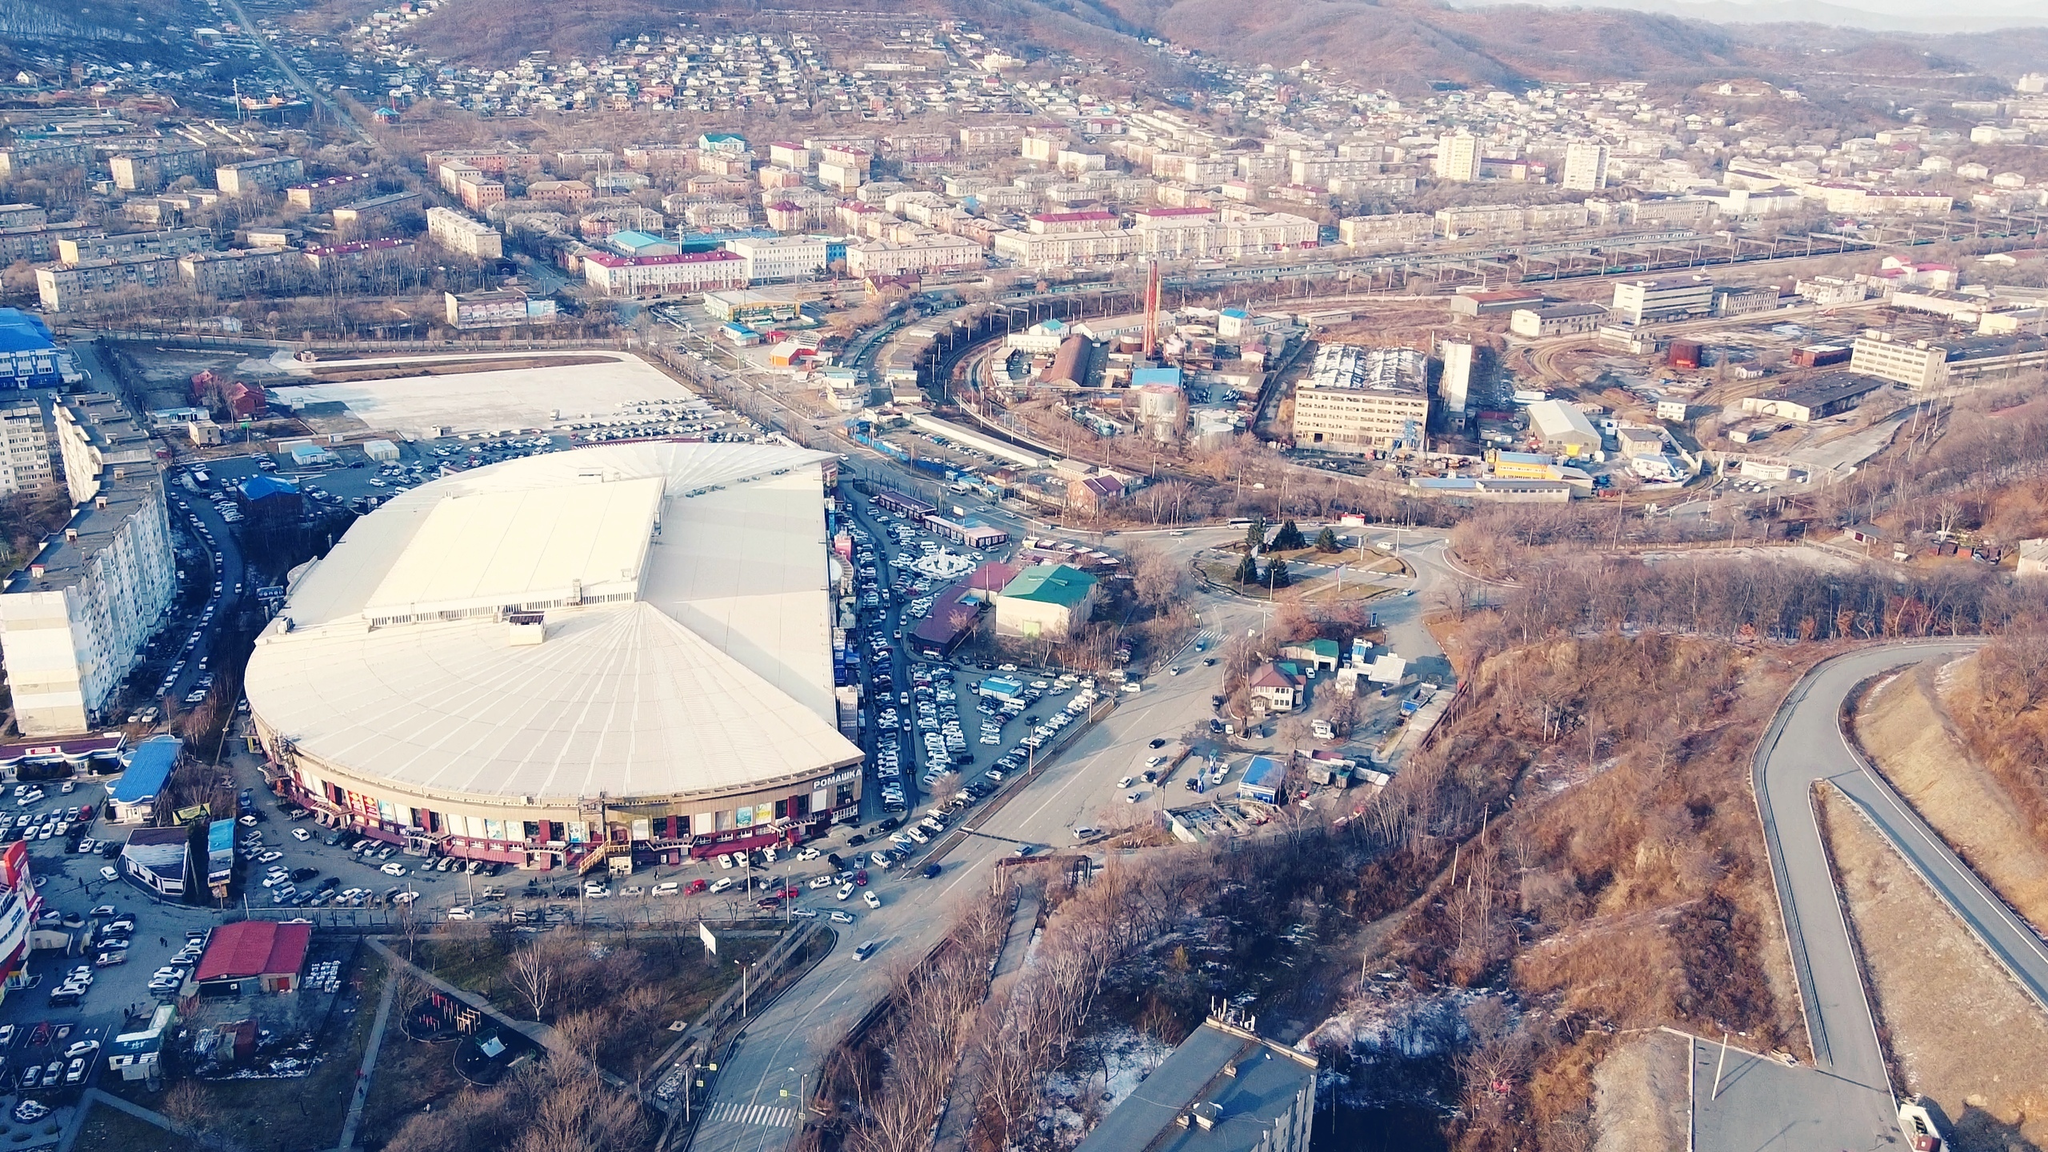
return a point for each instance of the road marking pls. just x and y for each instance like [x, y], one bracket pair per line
[763, 1115]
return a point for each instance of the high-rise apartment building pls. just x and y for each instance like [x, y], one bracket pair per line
[1585, 166]
[1457, 156]
[24, 449]
[75, 619]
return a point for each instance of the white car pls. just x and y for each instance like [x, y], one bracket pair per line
[108, 873]
[301, 835]
[870, 899]
[845, 891]
[839, 917]
[725, 859]
[822, 882]
[394, 868]
[723, 883]
[666, 888]
[460, 914]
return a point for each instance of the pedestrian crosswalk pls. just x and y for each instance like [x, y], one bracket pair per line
[726, 1112]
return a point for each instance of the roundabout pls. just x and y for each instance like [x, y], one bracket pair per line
[943, 565]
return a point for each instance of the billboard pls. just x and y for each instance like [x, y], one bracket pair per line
[710, 941]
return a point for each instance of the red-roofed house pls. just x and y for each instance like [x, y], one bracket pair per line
[1053, 223]
[271, 954]
[1278, 684]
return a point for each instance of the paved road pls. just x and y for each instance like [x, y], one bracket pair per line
[1852, 1098]
[782, 1050]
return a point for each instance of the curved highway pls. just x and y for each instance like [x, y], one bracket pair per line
[1804, 746]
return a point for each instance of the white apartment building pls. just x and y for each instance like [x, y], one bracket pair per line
[453, 230]
[1585, 166]
[683, 273]
[168, 242]
[75, 619]
[24, 450]
[927, 254]
[1457, 156]
[780, 258]
[1662, 298]
[1219, 232]
[1363, 400]
[1390, 229]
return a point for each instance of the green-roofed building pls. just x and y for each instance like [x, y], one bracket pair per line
[1050, 601]
[1319, 654]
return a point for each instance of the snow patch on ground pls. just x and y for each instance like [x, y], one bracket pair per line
[1414, 1027]
[1078, 1098]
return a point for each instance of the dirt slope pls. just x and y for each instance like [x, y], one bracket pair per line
[1907, 731]
[1957, 1029]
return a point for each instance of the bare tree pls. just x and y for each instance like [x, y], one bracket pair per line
[533, 971]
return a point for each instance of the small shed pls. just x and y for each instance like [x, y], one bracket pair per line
[271, 954]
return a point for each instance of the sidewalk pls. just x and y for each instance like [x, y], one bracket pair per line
[958, 1120]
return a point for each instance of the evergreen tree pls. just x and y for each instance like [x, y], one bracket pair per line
[1276, 575]
[1326, 541]
[1247, 571]
[1255, 535]
[1288, 538]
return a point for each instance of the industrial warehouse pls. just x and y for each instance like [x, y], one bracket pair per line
[569, 656]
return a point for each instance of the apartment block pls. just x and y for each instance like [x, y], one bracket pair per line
[168, 242]
[152, 170]
[258, 177]
[22, 215]
[1457, 157]
[27, 155]
[1057, 250]
[374, 213]
[496, 308]
[238, 271]
[37, 243]
[320, 195]
[459, 233]
[1585, 166]
[928, 254]
[686, 273]
[1393, 228]
[74, 621]
[74, 286]
[24, 449]
[780, 258]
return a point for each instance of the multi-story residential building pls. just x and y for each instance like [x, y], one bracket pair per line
[169, 242]
[780, 257]
[1393, 228]
[451, 174]
[685, 273]
[152, 170]
[479, 193]
[22, 215]
[353, 253]
[257, 177]
[927, 254]
[1916, 364]
[320, 195]
[1585, 166]
[37, 243]
[1363, 400]
[1061, 249]
[1458, 156]
[238, 270]
[563, 191]
[1479, 220]
[374, 213]
[452, 230]
[1662, 298]
[24, 449]
[1086, 221]
[75, 620]
[72, 286]
[26, 155]
[986, 139]
[724, 143]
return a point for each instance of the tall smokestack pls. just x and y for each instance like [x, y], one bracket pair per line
[1151, 310]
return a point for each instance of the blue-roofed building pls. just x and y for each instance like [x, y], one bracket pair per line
[1263, 779]
[1141, 377]
[29, 357]
[133, 797]
[630, 243]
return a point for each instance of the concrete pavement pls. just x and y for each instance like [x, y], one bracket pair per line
[1848, 1101]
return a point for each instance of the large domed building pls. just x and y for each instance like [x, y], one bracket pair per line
[623, 646]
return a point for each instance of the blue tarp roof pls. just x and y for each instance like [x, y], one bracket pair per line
[148, 768]
[1143, 376]
[220, 837]
[257, 487]
[1264, 772]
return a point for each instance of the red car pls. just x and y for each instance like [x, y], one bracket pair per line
[861, 877]
[696, 886]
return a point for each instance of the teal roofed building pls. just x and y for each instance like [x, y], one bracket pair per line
[1048, 601]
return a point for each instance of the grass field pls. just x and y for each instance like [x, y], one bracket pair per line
[110, 1130]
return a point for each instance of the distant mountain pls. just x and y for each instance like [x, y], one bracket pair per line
[1871, 15]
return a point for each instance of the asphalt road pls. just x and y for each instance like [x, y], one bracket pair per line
[1850, 1104]
[782, 1050]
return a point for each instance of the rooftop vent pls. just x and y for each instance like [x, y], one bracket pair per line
[71, 535]
[35, 571]
[100, 502]
[1208, 1114]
